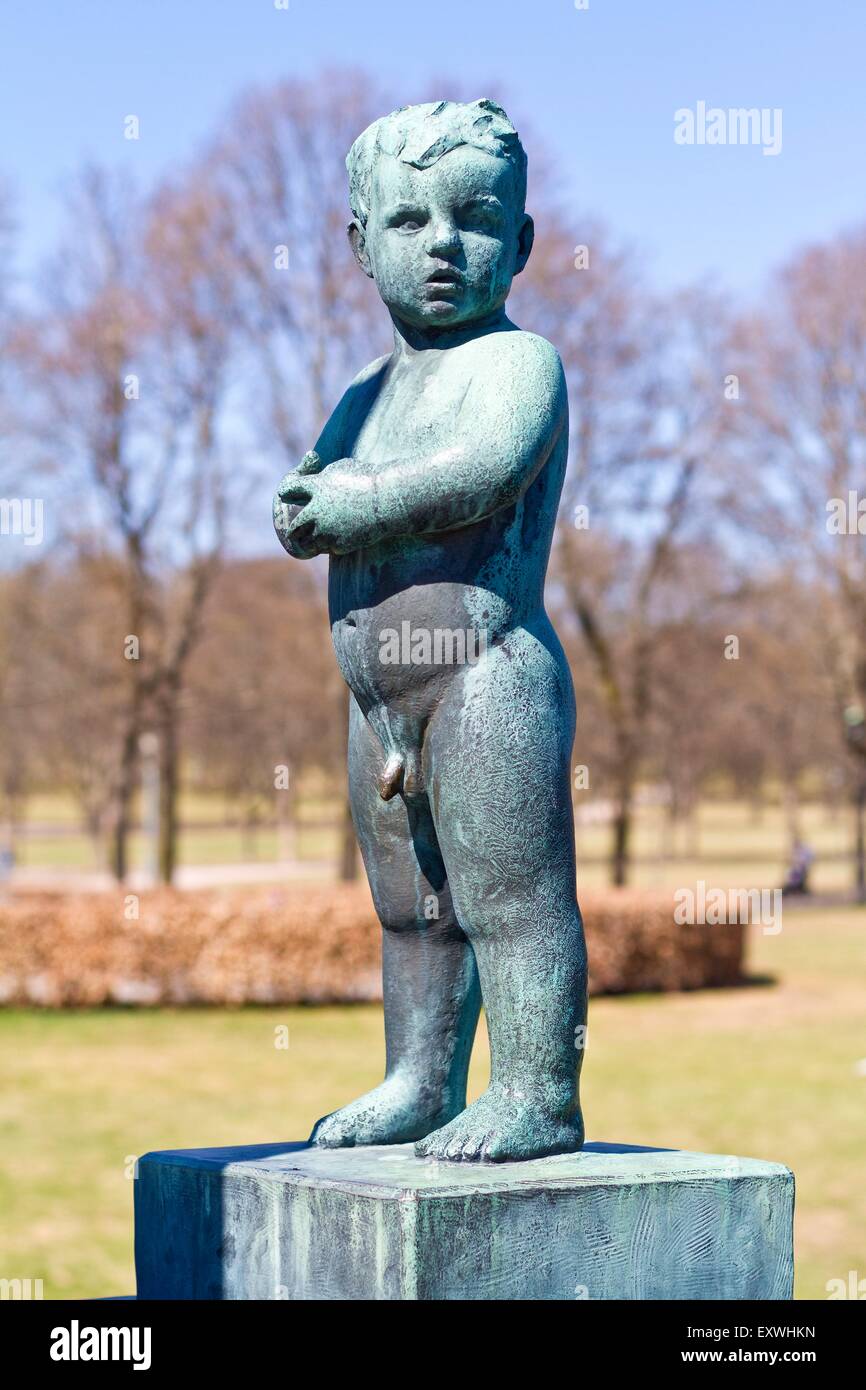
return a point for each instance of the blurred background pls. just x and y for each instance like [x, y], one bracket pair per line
[179, 311]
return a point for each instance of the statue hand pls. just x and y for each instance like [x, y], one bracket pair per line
[284, 514]
[318, 510]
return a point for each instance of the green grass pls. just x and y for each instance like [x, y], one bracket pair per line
[767, 1071]
[725, 844]
[51, 836]
[215, 844]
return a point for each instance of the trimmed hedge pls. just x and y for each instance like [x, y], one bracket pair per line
[310, 944]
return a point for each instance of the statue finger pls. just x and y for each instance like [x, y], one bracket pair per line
[310, 463]
[292, 489]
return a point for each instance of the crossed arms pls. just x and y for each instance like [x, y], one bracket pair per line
[505, 431]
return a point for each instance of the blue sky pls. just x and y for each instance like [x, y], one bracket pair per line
[600, 85]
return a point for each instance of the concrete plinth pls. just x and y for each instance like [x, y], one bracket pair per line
[612, 1222]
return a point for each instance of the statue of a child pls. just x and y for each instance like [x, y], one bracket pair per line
[434, 488]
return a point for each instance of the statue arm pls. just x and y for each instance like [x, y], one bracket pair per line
[328, 449]
[504, 433]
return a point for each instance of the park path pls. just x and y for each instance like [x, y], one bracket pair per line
[188, 876]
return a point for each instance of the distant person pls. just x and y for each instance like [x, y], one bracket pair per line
[798, 873]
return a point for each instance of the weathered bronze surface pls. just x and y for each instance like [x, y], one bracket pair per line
[434, 488]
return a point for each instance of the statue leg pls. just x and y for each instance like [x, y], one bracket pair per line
[430, 981]
[499, 750]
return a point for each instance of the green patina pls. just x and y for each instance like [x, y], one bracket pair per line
[611, 1222]
[434, 488]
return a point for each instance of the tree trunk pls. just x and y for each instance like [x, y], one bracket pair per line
[671, 815]
[287, 838]
[135, 622]
[623, 815]
[123, 799]
[94, 824]
[250, 833]
[791, 808]
[860, 839]
[619, 864]
[168, 784]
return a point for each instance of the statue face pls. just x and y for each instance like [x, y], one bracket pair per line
[443, 243]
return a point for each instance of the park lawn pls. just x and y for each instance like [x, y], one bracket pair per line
[769, 1070]
[215, 844]
[725, 844]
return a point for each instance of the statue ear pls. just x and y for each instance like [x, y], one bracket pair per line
[525, 238]
[358, 243]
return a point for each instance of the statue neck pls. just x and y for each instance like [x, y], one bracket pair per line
[409, 340]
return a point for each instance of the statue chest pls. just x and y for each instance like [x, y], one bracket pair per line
[413, 416]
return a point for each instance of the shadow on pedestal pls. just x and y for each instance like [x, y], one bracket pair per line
[286, 1221]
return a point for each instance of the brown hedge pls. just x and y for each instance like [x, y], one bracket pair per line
[300, 944]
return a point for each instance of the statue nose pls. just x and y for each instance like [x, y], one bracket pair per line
[444, 240]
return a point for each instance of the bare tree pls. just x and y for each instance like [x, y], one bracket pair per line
[646, 383]
[806, 373]
[265, 698]
[129, 357]
[310, 319]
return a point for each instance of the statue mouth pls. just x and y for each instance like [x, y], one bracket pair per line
[445, 279]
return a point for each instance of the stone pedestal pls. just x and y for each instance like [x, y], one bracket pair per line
[612, 1222]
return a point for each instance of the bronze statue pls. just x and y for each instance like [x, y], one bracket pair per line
[434, 488]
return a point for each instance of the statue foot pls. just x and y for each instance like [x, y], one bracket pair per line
[498, 1127]
[393, 1113]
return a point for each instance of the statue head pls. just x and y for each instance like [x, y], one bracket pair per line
[438, 219]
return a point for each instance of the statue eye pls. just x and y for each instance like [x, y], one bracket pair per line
[407, 221]
[481, 218]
